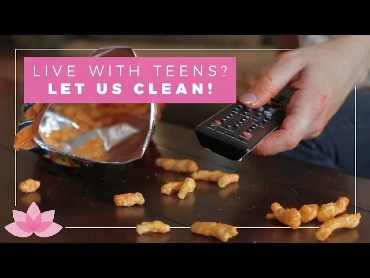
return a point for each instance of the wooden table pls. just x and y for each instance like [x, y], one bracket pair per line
[83, 198]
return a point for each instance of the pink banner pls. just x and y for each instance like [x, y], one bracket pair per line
[130, 80]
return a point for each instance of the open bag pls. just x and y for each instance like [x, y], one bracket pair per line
[78, 135]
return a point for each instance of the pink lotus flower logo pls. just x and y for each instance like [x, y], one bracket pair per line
[33, 222]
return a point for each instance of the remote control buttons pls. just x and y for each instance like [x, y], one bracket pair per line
[238, 125]
[272, 110]
[261, 109]
[217, 122]
[232, 114]
[230, 134]
[243, 139]
[246, 134]
[268, 113]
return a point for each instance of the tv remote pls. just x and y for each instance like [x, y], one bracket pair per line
[236, 130]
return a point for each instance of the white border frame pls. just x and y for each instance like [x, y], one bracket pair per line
[160, 49]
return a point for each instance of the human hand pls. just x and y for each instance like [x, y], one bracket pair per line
[322, 75]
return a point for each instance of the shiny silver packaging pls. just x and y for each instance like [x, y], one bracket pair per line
[57, 135]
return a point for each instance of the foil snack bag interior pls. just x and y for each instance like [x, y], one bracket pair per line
[88, 134]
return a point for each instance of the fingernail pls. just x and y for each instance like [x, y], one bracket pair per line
[248, 98]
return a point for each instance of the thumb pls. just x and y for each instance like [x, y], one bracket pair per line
[273, 80]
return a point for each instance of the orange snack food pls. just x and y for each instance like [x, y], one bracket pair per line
[221, 231]
[29, 186]
[92, 116]
[93, 149]
[129, 199]
[155, 226]
[290, 217]
[349, 221]
[177, 165]
[330, 210]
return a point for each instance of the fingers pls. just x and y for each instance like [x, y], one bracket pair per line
[273, 80]
[250, 79]
[301, 116]
[283, 139]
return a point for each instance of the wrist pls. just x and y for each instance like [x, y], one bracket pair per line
[366, 39]
[363, 42]
[359, 46]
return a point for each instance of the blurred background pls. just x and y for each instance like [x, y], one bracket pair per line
[248, 62]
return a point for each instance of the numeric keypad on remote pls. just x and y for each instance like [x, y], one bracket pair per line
[236, 130]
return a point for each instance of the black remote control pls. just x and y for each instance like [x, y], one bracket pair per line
[236, 130]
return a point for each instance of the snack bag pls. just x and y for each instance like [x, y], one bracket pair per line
[78, 135]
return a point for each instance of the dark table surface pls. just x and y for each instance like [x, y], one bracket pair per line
[83, 198]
